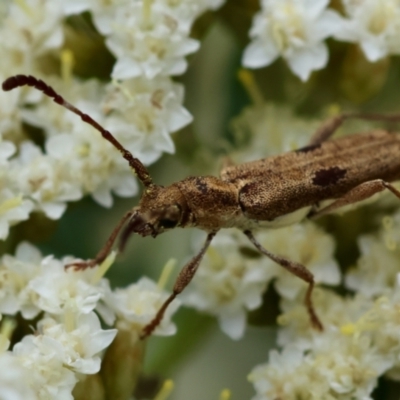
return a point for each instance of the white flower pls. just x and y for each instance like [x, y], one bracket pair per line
[294, 29]
[378, 264]
[48, 377]
[228, 284]
[79, 160]
[77, 346]
[14, 379]
[7, 149]
[375, 25]
[13, 209]
[143, 113]
[32, 28]
[15, 275]
[63, 291]
[149, 43]
[137, 305]
[348, 372]
[303, 243]
[103, 11]
[267, 130]
[43, 180]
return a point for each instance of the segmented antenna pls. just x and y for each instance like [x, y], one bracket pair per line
[29, 80]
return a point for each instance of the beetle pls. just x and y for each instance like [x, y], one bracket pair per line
[272, 192]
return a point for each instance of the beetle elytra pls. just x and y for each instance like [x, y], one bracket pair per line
[271, 192]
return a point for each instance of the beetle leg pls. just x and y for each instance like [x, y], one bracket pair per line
[360, 192]
[183, 279]
[328, 128]
[297, 269]
[105, 251]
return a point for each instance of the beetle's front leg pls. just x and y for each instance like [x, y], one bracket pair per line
[360, 192]
[105, 250]
[297, 269]
[183, 279]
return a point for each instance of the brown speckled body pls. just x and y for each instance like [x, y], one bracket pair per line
[274, 187]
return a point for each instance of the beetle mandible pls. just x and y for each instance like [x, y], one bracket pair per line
[272, 192]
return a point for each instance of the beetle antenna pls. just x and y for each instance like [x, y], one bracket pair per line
[29, 80]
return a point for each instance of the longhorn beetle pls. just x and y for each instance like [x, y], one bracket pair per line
[272, 192]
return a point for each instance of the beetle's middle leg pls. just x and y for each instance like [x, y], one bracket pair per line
[183, 279]
[328, 128]
[297, 269]
[360, 192]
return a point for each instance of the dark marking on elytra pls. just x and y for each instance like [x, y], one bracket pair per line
[201, 185]
[328, 176]
[307, 149]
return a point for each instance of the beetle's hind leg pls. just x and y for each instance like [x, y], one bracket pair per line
[300, 271]
[360, 192]
[329, 127]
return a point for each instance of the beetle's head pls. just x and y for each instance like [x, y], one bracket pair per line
[160, 208]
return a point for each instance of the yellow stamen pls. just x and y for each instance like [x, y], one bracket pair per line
[67, 65]
[83, 150]
[24, 7]
[387, 223]
[69, 319]
[123, 89]
[348, 329]
[246, 78]
[9, 204]
[6, 331]
[390, 241]
[333, 109]
[166, 390]
[146, 13]
[103, 268]
[166, 273]
[225, 395]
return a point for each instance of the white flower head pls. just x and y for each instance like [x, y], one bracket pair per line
[78, 159]
[348, 372]
[228, 284]
[149, 43]
[378, 264]
[143, 113]
[293, 29]
[306, 244]
[48, 377]
[103, 11]
[61, 292]
[14, 379]
[374, 25]
[15, 275]
[136, 305]
[79, 345]
[32, 28]
[268, 130]
[44, 180]
[13, 208]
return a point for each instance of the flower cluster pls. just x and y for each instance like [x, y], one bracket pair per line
[297, 29]
[68, 340]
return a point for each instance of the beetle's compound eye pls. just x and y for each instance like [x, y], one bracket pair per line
[168, 223]
[169, 217]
